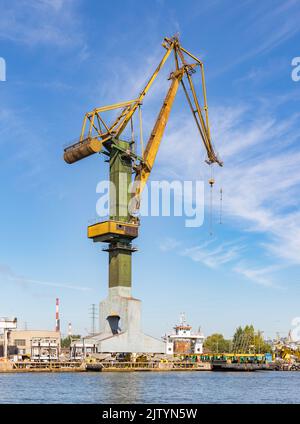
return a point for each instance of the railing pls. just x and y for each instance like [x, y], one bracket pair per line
[44, 344]
[46, 365]
[144, 365]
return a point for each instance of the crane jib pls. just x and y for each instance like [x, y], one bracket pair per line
[96, 132]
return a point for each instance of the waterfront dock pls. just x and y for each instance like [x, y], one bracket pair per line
[72, 366]
[34, 366]
[229, 367]
[147, 366]
[130, 366]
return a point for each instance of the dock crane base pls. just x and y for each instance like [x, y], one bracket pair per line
[120, 309]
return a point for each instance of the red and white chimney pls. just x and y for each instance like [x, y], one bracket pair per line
[57, 321]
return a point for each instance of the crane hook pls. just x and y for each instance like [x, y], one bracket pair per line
[211, 182]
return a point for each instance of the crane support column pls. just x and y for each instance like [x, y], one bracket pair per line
[120, 249]
[118, 232]
[120, 313]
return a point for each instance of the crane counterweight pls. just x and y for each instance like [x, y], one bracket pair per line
[82, 149]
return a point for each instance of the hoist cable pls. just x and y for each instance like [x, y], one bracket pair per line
[132, 136]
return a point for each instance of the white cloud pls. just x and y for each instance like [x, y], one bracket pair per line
[269, 27]
[169, 244]
[136, 75]
[41, 22]
[30, 153]
[260, 178]
[262, 276]
[210, 253]
[260, 181]
[213, 257]
[6, 273]
[55, 4]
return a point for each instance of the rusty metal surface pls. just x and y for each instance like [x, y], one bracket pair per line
[182, 346]
[82, 149]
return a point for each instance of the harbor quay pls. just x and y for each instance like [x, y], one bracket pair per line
[183, 350]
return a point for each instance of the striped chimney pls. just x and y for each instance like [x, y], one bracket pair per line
[57, 321]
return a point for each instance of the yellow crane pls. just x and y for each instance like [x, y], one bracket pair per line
[99, 135]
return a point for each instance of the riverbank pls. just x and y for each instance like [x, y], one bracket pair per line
[25, 366]
[155, 366]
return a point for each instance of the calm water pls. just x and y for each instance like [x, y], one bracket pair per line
[175, 387]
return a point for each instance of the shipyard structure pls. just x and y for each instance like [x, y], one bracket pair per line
[130, 166]
[182, 341]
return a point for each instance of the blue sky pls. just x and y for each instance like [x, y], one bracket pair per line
[64, 58]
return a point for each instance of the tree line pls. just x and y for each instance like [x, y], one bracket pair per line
[245, 340]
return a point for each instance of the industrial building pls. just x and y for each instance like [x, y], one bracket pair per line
[82, 348]
[36, 344]
[6, 325]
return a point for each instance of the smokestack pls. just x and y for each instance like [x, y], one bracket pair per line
[70, 329]
[57, 321]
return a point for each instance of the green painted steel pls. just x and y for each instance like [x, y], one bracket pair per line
[120, 169]
[119, 268]
[120, 250]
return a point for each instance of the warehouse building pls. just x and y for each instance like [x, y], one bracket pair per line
[36, 344]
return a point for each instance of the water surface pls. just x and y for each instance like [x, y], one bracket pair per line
[148, 387]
